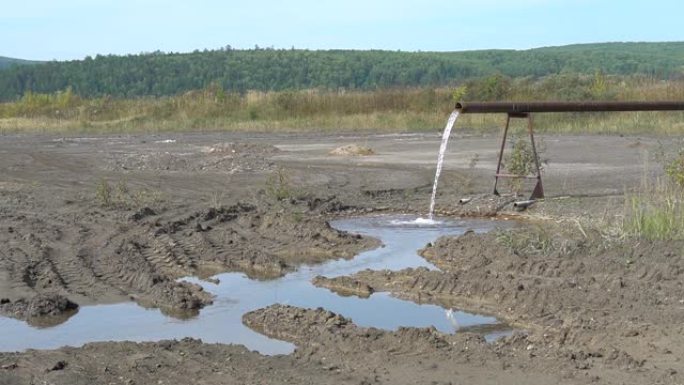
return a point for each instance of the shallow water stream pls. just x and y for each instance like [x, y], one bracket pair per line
[236, 294]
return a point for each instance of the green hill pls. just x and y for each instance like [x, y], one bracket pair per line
[159, 74]
[6, 62]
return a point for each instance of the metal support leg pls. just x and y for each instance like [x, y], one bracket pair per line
[538, 192]
[501, 151]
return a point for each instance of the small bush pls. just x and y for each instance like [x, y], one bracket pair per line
[674, 169]
[122, 197]
[521, 161]
[278, 186]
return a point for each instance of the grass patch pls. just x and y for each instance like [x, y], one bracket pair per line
[656, 212]
[535, 240]
[121, 196]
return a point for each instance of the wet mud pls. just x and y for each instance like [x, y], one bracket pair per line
[588, 310]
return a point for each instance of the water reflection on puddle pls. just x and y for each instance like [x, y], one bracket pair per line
[236, 294]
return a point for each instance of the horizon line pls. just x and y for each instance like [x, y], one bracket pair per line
[259, 48]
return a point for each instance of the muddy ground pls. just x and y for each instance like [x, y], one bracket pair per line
[109, 219]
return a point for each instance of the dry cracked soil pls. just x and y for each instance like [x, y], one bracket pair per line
[108, 219]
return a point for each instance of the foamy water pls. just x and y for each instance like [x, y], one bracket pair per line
[416, 222]
[440, 159]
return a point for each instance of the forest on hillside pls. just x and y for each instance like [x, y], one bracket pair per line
[259, 69]
[6, 62]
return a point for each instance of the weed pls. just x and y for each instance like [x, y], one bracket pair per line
[278, 186]
[459, 93]
[121, 191]
[674, 169]
[535, 240]
[216, 199]
[122, 197]
[145, 197]
[297, 216]
[656, 212]
[103, 193]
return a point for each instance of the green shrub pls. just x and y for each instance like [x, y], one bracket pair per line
[674, 169]
[521, 161]
[656, 213]
[278, 186]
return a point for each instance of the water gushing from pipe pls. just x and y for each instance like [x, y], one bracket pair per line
[440, 158]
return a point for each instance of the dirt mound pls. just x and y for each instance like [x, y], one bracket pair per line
[223, 157]
[330, 350]
[417, 353]
[41, 310]
[112, 256]
[242, 149]
[544, 271]
[187, 361]
[344, 286]
[580, 296]
[352, 150]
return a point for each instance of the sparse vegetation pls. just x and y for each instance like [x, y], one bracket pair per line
[216, 199]
[278, 186]
[396, 109]
[674, 169]
[533, 240]
[656, 210]
[520, 160]
[103, 193]
[123, 197]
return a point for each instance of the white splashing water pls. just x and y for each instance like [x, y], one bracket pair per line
[416, 222]
[440, 159]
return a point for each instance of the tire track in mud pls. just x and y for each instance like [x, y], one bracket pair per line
[108, 256]
[602, 306]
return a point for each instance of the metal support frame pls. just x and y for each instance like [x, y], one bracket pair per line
[538, 192]
[525, 109]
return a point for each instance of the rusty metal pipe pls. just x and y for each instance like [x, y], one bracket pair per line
[529, 107]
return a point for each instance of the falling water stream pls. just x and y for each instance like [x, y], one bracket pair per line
[440, 160]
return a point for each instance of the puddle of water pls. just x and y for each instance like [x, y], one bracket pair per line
[236, 294]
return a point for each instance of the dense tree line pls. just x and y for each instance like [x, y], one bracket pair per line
[161, 74]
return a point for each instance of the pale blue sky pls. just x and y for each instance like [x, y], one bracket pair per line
[72, 29]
